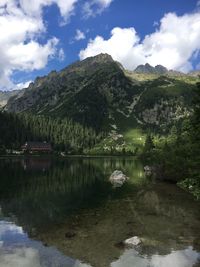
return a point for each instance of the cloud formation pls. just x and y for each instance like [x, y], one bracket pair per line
[34, 8]
[173, 44]
[61, 54]
[79, 35]
[180, 258]
[92, 8]
[21, 26]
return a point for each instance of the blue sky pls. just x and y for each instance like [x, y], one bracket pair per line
[38, 36]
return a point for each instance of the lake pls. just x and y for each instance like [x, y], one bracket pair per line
[65, 213]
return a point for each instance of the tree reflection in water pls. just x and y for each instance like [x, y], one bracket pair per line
[69, 204]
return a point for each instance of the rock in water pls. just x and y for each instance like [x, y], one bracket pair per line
[133, 241]
[148, 170]
[117, 178]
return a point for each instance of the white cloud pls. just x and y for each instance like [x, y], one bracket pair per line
[34, 8]
[180, 258]
[32, 55]
[156, 24]
[94, 7]
[79, 35]
[21, 26]
[61, 54]
[22, 85]
[122, 44]
[104, 3]
[172, 45]
[66, 8]
[9, 227]
[21, 257]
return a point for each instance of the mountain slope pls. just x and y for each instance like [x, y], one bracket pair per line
[97, 92]
[164, 102]
[86, 91]
[6, 95]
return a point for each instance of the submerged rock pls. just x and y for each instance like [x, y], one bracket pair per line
[132, 242]
[117, 178]
[70, 234]
[148, 170]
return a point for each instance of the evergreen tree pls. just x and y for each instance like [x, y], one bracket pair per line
[63, 134]
[149, 144]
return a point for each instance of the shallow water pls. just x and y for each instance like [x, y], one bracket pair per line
[66, 213]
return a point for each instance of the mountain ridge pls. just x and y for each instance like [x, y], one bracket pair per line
[82, 91]
[147, 68]
[97, 92]
[6, 95]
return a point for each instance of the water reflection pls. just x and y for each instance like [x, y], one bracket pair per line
[52, 208]
[17, 250]
[181, 258]
[37, 197]
[36, 164]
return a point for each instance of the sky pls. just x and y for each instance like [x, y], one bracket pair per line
[38, 36]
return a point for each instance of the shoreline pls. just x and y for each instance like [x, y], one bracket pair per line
[67, 156]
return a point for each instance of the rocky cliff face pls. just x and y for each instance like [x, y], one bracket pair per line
[195, 73]
[6, 95]
[165, 101]
[147, 68]
[97, 92]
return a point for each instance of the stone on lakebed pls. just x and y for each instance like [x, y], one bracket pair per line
[132, 242]
[117, 178]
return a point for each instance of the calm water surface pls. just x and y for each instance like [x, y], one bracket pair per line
[65, 213]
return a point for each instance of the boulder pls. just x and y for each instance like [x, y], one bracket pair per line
[148, 170]
[117, 178]
[132, 242]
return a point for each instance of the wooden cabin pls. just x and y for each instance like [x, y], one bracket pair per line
[37, 147]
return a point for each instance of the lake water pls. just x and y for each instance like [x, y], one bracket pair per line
[65, 213]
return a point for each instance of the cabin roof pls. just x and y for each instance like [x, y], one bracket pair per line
[37, 145]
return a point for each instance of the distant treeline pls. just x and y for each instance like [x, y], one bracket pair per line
[63, 134]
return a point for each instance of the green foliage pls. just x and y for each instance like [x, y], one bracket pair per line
[192, 184]
[86, 92]
[165, 88]
[63, 134]
[149, 144]
[178, 153]
[195, 121]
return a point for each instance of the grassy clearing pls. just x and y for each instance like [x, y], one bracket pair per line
[135, 136]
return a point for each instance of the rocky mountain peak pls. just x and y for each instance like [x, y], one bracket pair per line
[100, 58]
[103, 56]
[195, 73]
[147, 68]
[161, 69]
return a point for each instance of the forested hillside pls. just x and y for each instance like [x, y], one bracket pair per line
[63, 134]
[98, 93]
[176, 156]
[99, 97]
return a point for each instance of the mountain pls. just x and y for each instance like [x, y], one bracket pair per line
[87, 92]
[147, 68]
[97, 92]
[195, 73]
[6, 95]
[161, 70]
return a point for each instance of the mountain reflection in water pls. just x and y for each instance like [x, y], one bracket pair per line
[66, 213]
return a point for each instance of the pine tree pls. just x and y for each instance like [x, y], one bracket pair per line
[149, 144]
